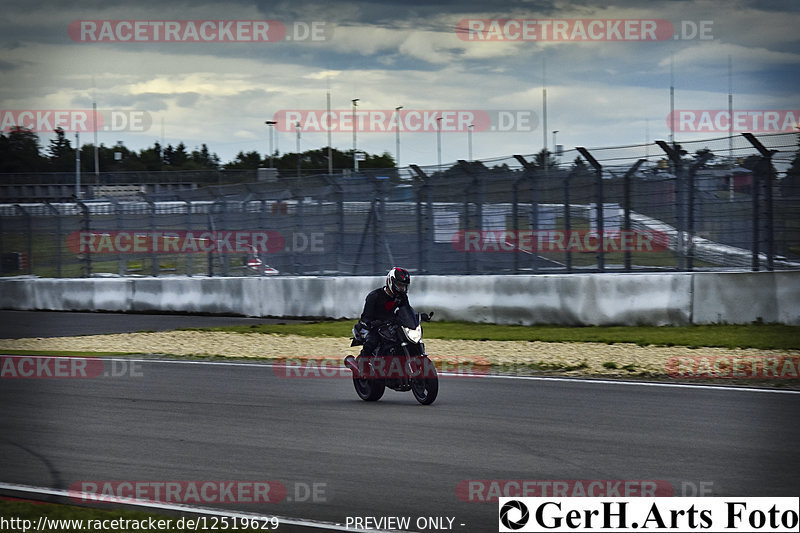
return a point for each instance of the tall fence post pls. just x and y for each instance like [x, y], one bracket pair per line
[56, 213]
[674, 156]
[369, 227]
[118, 226]
[382, 187]
[467, 227]
[123, 263]
[770, 213]
[476, 188]
[515, 212]
[421, 187]
[530, 175]
[300, 229]
[599, 199]
[153, 247]
[28, 237]
[339, 244]
[377, 227]
[690, 223]
[189, 257]
[567, 220]
[260, 255]
[224, 255]
[212, 230]
[764, 167]
[626, 221]
[86, 224]
[756, 200]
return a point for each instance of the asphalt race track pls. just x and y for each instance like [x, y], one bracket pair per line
[159, 421]
[21, 324]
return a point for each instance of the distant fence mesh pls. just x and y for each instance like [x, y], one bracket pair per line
[722, 203]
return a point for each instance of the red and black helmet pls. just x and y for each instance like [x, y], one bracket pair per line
[397, 281]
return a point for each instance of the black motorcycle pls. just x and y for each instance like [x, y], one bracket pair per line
[399, 362]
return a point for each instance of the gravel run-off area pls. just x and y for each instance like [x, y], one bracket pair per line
[677, 363]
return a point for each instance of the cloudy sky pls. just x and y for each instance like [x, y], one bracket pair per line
[604, 86]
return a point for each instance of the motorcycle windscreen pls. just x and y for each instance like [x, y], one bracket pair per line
[407, 317]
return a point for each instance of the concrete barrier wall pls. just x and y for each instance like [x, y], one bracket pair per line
[578, 299]
[744, 297]
[590, 299]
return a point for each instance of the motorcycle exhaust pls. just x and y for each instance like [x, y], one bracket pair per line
[350, 362]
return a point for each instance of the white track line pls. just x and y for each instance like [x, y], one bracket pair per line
[530, 378]
[645, 384]
[469, 376]
[301, 522]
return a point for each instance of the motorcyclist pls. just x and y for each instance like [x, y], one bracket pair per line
[380, 304]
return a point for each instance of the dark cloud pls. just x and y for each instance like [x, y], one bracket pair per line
[441, 67]
[393, 13]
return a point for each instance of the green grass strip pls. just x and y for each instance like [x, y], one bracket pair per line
[761, 336]
[66, 353]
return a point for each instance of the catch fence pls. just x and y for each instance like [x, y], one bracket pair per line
[715, 204]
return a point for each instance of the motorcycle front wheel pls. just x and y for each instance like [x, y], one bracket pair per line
[426, 389]
[369, 390]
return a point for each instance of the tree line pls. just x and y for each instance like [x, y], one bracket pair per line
[20, 151]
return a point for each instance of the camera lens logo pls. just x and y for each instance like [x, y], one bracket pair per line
[523, 512]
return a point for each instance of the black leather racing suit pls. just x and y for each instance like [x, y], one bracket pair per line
[378, 308]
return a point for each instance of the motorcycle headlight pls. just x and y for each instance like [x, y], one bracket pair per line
[414, 335]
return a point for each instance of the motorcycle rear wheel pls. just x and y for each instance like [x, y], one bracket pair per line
[369, 390]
